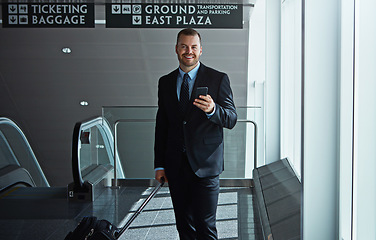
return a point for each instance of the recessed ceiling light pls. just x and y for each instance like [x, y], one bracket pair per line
[66, 50]
[84, 103]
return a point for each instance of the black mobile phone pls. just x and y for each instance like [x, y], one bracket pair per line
[201, 91]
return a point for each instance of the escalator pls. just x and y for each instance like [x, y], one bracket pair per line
[27, 202]
[92, 161]
[24, 189]
[18, 164]
[21, 176]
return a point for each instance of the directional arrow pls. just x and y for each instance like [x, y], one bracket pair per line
[12, 9]
[116, 9]
[137, 20]
[13, 19]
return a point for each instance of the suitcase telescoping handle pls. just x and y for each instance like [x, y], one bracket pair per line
[139, 210]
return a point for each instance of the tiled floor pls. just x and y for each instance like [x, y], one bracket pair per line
[38, 218]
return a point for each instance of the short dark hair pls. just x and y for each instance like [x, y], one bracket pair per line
[188, 32]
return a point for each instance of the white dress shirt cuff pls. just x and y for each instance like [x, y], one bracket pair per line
[209, 115]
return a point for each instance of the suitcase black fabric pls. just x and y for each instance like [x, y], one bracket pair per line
[90, 228]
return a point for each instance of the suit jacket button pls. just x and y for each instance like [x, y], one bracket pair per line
[184, 122]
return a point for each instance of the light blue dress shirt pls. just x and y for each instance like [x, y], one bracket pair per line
[191, 80]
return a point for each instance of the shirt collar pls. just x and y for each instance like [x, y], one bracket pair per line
[192, 74]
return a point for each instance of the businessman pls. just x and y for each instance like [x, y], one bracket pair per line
[189, 137]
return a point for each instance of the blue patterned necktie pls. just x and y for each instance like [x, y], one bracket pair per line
[184, 94]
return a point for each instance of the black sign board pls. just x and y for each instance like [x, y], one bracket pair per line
[141, 15]
[48, 15]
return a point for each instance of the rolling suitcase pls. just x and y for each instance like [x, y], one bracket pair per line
[90, 228]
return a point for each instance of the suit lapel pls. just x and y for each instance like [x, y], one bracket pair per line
[171, 93]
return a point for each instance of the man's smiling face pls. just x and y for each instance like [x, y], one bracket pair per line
[188, 50]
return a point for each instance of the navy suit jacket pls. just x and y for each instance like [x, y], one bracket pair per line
[203, 136]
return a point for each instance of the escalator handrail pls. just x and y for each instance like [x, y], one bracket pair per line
[79, 127]
[5, 120]
[26, 184]
[12, 175]
[76, 171]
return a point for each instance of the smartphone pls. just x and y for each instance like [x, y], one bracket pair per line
[201, 91]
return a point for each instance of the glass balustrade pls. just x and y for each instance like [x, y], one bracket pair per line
[134, 133]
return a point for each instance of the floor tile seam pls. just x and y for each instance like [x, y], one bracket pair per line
[153, 210]
[156, 215]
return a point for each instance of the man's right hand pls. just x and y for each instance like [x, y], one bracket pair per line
[159, 174]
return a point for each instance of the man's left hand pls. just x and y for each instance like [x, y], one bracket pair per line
[205, 103]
